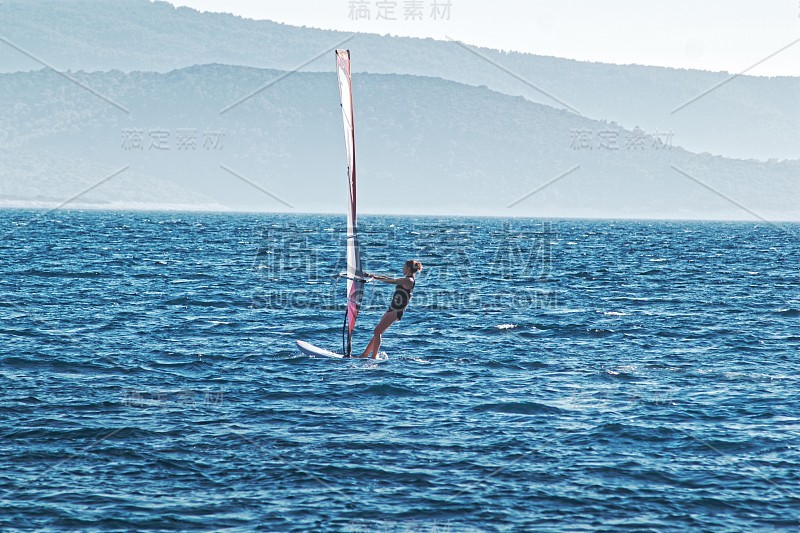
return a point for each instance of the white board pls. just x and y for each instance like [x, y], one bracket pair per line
[313, 351]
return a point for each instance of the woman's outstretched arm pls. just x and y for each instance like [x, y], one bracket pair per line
[385, 279]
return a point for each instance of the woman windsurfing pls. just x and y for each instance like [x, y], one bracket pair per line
[402, 295]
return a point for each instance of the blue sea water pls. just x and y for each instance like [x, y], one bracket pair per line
[548, 375]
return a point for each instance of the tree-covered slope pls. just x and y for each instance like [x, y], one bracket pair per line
[424, 145]
[745, 116]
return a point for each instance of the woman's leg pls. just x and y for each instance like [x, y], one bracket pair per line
[387, 320]
[369, 347]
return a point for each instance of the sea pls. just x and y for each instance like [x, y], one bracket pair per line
[548, 375]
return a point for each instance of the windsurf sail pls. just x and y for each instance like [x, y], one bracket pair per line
[355, 276]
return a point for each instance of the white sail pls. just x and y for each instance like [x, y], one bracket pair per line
[355, 282]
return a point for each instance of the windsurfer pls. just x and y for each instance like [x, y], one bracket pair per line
[402, 295]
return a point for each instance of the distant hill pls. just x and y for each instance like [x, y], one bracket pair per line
[425, 145]
[745, 117]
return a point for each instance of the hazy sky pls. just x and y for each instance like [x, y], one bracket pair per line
[729, 35]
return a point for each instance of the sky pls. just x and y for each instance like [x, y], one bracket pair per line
[718, 35]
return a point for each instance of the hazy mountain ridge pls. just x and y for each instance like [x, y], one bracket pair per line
[424, 145]
[42, 180]
[746, 117]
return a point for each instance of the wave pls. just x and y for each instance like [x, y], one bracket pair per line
[518, 408]
[63, 274]
[389, 390]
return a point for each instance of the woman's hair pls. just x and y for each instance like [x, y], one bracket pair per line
[414, 265]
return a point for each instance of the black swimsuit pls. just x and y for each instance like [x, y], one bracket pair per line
[401, 298]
